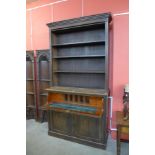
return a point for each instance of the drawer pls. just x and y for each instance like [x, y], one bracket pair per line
[76, 99]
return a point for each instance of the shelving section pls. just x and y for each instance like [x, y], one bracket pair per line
[30, 86]
[79, 65]
[43, 79]
[78, 54]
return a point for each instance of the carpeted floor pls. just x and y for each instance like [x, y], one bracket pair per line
[39, 143]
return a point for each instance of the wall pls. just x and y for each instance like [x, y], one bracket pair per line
[41, 12]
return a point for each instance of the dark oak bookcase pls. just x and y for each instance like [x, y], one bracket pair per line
[43, 80]
[30, 86]
[38, 78]
[79, 65]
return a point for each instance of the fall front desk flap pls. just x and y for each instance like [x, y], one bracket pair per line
[81, 100]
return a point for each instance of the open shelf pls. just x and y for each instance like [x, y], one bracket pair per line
[84, 72]
[79, 56]
[100, 42]
[30, 93]
[45, 80]
[31, 106]
[44, 94]
[29, 79]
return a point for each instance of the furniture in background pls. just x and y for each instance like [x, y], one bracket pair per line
[77, 98]
[37, 80]
[30, 86]
[43, 81]
[126, 102]
[122, 128]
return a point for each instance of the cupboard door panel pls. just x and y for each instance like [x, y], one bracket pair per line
[61, 122]
[86, 127]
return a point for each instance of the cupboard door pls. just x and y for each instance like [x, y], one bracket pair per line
[86, 127]
[61, 122]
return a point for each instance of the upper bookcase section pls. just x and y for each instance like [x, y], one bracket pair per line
[83, 22]
[79, 52]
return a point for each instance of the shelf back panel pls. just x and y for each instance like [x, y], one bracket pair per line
[30, 100]
[84, 64]
[30, 86]
[82, 51]
[42, 100]
[42, 86]
[44, 70]
[80, 36]
[29, 69]
[81, 80]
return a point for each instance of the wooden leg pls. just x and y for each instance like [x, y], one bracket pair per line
[118, 139]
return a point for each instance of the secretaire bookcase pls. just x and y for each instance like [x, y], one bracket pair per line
[77, 98]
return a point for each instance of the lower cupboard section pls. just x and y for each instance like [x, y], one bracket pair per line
[78, 128]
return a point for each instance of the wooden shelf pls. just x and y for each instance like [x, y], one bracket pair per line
[29, 79]
[47, 80]
[100, 42]
[30, 93]
[84, 72]
[30, 106]
[44, 94]
[78, 91]
[79, 56]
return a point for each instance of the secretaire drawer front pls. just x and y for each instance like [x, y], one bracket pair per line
[76, 103]
[75, 99]
[71, 107]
